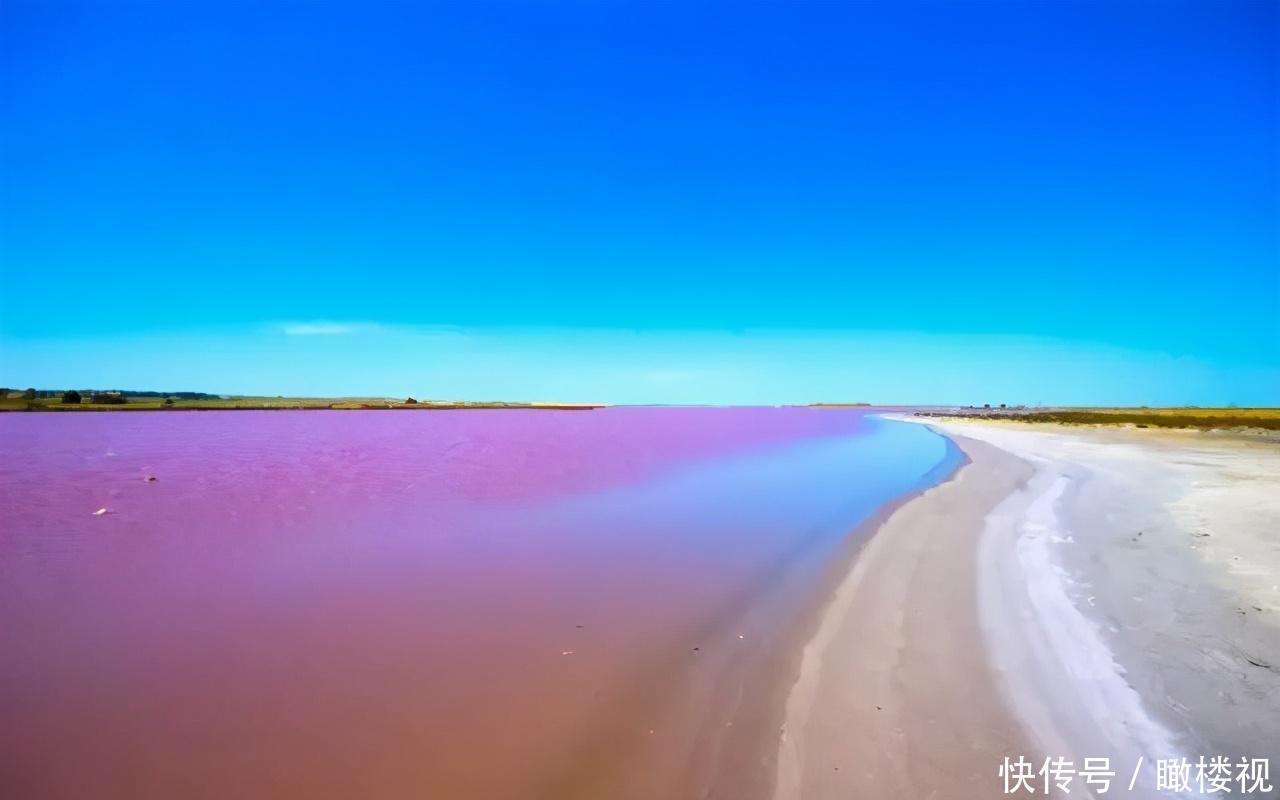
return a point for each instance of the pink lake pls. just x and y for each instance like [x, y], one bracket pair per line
[420, 604]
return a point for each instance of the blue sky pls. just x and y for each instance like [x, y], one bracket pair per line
[644, 202]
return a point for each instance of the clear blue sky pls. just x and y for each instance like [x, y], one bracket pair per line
[899, 202]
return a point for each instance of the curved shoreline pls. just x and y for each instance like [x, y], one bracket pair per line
[776, 680]
[897, 666]
[738, 761]
[1019, 610]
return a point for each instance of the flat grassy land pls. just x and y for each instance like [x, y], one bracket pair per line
[1194, 418]
[250, 403]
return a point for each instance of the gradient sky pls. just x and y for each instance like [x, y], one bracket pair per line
[644, 202]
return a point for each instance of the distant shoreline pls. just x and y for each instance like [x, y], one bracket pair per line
[1195, 418]
[1184, 417]
[1165, 417]
[53, 405]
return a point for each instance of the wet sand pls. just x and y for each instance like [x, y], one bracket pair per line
[895, 697]
[1076, 594]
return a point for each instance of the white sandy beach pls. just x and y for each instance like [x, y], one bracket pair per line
[1071, 593]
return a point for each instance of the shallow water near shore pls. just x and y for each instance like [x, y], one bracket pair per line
[463, 604]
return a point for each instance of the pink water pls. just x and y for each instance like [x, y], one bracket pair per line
[420, 604]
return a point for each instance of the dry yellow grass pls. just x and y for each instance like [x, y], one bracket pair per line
[1197, 418]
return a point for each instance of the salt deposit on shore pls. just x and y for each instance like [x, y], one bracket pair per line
[1071, 593]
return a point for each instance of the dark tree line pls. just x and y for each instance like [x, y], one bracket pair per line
[104, 396]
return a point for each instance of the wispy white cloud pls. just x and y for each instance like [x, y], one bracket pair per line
[324, 328]
[330, 328]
